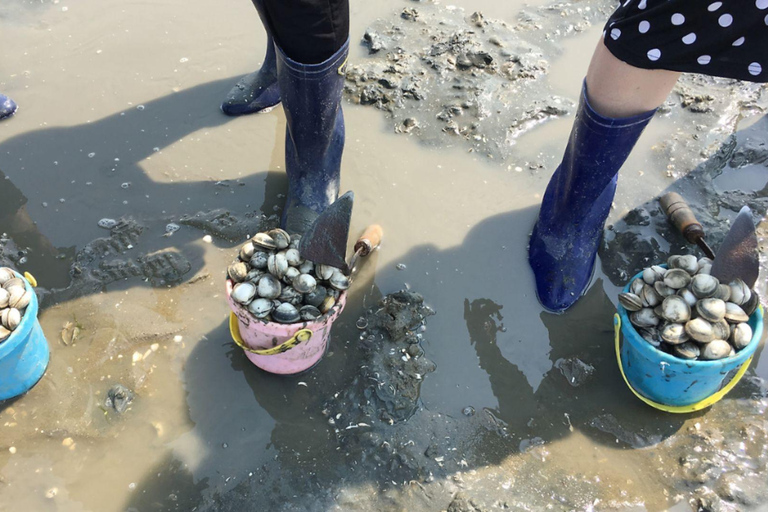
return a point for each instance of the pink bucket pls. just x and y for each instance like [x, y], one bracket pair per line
[281, 348]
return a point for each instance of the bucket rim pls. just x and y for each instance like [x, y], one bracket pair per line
[740, 356]
[305, 323]
[25, 326]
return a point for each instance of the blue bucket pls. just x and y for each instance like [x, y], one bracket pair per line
[24, 355]
[677, 385]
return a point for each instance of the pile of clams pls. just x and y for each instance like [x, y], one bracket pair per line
[275, 284]
[14, 299]
[686, 312]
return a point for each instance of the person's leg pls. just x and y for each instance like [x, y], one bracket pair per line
[7, 106]
[618, 101]
[312, 42]
[257, 91]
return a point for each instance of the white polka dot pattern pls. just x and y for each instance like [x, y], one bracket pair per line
[725, 20]
[724, 38]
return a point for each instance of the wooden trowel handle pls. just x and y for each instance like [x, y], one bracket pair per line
[369, 240]
[681, 215]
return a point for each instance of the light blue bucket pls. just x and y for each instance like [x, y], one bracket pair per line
[677, 385]
[24, 355]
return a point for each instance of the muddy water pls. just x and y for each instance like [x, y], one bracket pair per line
[119, 118]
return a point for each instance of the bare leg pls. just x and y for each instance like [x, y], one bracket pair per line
[617, 90]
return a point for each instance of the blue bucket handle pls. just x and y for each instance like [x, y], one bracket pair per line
[680, 409]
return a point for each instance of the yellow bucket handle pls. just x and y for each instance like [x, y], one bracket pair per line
[301, 336]
[32, 281]
[681, 409]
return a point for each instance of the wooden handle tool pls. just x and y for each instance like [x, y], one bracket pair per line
[368, 242]
[682, 217]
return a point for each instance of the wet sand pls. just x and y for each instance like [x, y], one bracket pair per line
[119, 118]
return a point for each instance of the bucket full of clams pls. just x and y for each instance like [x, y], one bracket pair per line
[684, 339]
[23, 349]
[283, 306]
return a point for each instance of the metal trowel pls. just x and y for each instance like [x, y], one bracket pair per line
[326, 240]
[737, 255]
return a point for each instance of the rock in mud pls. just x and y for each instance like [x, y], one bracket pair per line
[118, 398]
[575, 371]
[462, 76]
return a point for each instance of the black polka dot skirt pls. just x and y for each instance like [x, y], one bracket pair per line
[726, 38]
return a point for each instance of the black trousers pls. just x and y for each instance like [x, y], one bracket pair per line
[308, 31]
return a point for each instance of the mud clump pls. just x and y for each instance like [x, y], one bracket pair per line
[223, 224]
[445, 76]
[118, 398]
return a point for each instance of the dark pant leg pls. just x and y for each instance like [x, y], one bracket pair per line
[309, 31]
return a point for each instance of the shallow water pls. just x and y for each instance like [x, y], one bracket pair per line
[119, 117]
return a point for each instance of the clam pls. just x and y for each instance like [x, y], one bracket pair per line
[291, 274]
[712, 310]
[246, 251]
[237, 272]
[4, 333]
[327, 304]
[630, 301]
[260, 308]
[740, 292]
[674, 334]
[269, 287]
[688, 350]
[688, 296]
[290, 295]
[259, 260]
[637, 286]
[277, 265]
[4, 297]
[244, 292]
[716, 349]
[307, 267]
[305, 283]
[282, 238]
[324, 272]
[721, 330]
[658, 311]
[286, 313]
[254, 275]
[750, 306]
[662, 289]
[677, 278]
[653, 274]
[705, 269]
[704, 285]
[649, 297]
[734, 313]
[264, 241]
[13, 283]
[675, 309]
[341, 282]
[644, 318]
[316, 297]
[6, 274]
[723, 292]
[309, 313]
[741, 335]
[700, 330]
[650, 334]
[687, 262]
[19, 298]
[295, 239]
[704, 262]
[293, 257]
[10, 318]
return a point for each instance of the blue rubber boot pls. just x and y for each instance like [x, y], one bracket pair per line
[314, 138]
[258, 91]
[578, 199]
[7, 106]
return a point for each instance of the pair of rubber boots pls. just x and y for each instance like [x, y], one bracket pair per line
[314, 139]
[576, 204]
[7, 106]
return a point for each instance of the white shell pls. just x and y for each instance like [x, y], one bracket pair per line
[269, 287]
[700, 330]
[712, 310]
[244, 293]
[277, 265]
[260, 308]
[687, 262]
[674, 334]
[704, 285]
[4, 298]
[246, 251]
[716, 349]
[734, 313]
[259, 260]
[305, 283]
[653, 274]
[740, 292]
[741, 335]
[19, 298]
[644, 318]
[293, 257]
[10, 318]
[677, 278]
[675, 309]
[6, 274]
